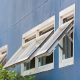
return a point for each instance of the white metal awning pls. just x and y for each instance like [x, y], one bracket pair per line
[50, 41]
[53, 41]
[25, 52]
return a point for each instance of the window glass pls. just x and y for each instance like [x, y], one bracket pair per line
[29, 65]
[45, 60]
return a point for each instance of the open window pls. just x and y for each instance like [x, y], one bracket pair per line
[29, 65]
[44, 60]
[66, 45]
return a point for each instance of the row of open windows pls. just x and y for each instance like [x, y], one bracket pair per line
[66, 45]
[67, 52]
[44, 60]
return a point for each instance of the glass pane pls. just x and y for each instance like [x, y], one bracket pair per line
[45, 60]
[29, 65]
[42, 61]
[32, 63]
[26, 66]
[49, 59]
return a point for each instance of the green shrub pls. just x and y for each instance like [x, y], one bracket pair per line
[12, 75]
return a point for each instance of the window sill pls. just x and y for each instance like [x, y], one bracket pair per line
[45, 68]
[38, 69]
[66, 62]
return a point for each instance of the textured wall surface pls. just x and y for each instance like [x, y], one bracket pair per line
[19, 16]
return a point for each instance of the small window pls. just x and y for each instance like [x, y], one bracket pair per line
[29, 65]
[68, 18]
[45, 60]
[50, 28]
[30, 38]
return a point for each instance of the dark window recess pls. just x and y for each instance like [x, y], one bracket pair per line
[46, 30]
[30, 64]
[68, 18]
[29, 39]
[4, 52]
[49, 59]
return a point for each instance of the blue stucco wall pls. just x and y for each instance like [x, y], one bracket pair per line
[18, 16]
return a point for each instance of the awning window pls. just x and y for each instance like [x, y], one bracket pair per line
[25, 52]
[53, 41]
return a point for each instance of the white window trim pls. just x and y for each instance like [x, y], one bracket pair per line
[37, 68]
[35, 30]
[69, 61]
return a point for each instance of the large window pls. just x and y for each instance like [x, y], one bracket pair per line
[66, 49]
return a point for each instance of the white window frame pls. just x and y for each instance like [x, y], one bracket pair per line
[36, 30]
[3, 49]
[69, 10]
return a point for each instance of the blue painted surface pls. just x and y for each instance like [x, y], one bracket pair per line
[18, 16]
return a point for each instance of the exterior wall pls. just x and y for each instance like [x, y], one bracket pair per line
[18, 16]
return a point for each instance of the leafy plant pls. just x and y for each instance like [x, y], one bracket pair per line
[7, 75]
[12, 75]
